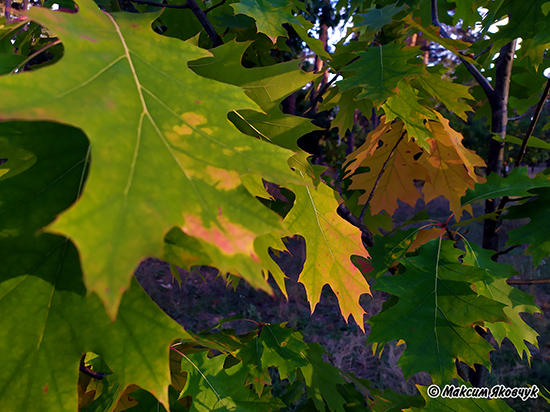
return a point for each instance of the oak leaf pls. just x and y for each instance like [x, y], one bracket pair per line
[397, 181]
[161, 144]
[330, 243]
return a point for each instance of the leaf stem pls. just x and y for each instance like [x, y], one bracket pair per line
[380, 176]
[163, 5]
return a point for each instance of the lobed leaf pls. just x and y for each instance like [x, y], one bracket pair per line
[436, 312]
[379, 70]
[516, 301]
[330, 243]
[159, 137]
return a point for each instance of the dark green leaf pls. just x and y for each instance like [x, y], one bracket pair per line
[436, 312]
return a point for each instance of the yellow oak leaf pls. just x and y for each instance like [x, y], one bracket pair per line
[450, 164]
[330, 244]
[397, 181]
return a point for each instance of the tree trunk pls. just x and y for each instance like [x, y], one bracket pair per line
[499, 117]
[323, 36]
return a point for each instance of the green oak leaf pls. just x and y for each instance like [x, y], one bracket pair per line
[330, 243]
[439, 404]
[532, 142]
[525, 20]
[14, 160]
[517, 183]
[276, 346]
[322, 380]
[391, 401]
[180, 24]
[57, 322]
[9, 59]
[164, 153]
[436, 312]
[404, 105]
[432, 33]
[278, 128]
[267, 86]
[516, 301]
[347, 103]
[386, 251]
[379, 70]
[270, 15]
[216, 388]
[31, 200]
[534, 233]
[375, 19]
[449, 93]
[314, 44]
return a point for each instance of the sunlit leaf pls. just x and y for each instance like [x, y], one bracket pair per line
[166, 147]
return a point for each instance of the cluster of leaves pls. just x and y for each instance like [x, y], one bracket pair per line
[122, 136]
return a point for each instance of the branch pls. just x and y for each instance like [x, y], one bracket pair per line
[366, 235]
[528, 281]
[167, 6]
[483, 82]
[197, 11]
[533, 123]
[203, 20]
[221, 3]
[379, 177]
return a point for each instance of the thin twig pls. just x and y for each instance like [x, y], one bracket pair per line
[163, 5]
[523, 148]
[527, 281]
[221, 3]
[32, 56]
[483, 82]
[482, 52]
[520, 116]
[325, 88]
[534, 121]
[320, 94]
[503, 252]
[379, 177]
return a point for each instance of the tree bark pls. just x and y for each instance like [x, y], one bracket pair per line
[323, 36]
